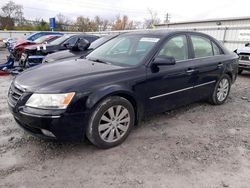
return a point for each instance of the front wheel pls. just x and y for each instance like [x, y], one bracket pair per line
[221, 90]
[240, 71]
[111, 122]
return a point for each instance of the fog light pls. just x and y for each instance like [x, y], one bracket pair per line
[48, 133]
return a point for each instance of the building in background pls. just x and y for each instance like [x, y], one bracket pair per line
[232, 32]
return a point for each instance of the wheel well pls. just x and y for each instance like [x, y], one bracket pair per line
[230, 75]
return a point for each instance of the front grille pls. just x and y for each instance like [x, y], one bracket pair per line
[14, 94]
[244, 57]
[36, 60]
[30, 52]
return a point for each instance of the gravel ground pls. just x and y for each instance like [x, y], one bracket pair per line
[3, 55]
[199, 145]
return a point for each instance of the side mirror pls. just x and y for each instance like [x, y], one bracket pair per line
[83, 44]
[80, 45]
[163, 60]
[247, 44]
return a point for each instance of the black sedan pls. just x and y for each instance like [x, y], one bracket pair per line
[76, 53]
[62, 43]
[121, 82]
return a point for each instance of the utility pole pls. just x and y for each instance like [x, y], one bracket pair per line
[167, 18]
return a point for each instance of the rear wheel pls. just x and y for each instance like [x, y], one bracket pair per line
[111, 122]
[221, 90]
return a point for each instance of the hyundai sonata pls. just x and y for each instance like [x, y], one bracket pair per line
[132, 76]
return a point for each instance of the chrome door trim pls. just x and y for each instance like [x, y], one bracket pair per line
[199, 85]
[180, 90]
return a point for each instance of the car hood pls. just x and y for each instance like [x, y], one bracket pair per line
[243, 50]
[22, 42]
[66, 76]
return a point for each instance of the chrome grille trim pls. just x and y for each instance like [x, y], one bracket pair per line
[245, 57]
[14, 94]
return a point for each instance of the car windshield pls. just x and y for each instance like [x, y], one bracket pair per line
[41, 39]
[100, 41]
[60, 40]
[125, 50]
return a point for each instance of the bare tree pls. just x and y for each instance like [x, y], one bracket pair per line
[152, 21]
[62, 21]
[123, 23]
[101, 24]
[13, 11]
[85, 24]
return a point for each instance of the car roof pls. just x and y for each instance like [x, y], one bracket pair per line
[79, 35]
[162, 32]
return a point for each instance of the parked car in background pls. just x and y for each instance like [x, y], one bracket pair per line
[75, 52]
[126, 79]
[35, 54]
[2, 44]
[11, 42]
[20, 45]
[244, 58]
[37, 35]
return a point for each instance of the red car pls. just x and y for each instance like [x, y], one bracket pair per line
[20, 45]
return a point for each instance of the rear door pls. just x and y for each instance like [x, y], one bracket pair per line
[208, 61]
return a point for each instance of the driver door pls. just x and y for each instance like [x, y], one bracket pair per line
[171, 85]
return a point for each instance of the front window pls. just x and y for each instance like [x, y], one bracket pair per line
[176, 47]
[126, 50]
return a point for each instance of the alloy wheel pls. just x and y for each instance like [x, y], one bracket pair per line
[114, 123]
[223, 90]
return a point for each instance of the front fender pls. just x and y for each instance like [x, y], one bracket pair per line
[101, 93]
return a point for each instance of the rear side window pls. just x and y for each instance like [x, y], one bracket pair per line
[217, 50]
[176, 47]
[202, 47]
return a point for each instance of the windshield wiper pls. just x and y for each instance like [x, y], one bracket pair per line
[98, 61]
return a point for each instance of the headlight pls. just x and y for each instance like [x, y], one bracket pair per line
[50, 101]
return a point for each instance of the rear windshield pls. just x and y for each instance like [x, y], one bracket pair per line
[60, 40]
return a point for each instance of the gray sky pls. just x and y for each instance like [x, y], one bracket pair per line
[136, 10]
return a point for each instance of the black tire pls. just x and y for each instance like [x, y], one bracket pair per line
[214, 99]
[101, 110]
[240, 71]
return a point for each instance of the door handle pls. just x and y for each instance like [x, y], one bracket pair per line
[190, 71]
[220, 65]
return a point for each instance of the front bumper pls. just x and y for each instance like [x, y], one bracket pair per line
[244, 65]
[63, 126]
[35, 60]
